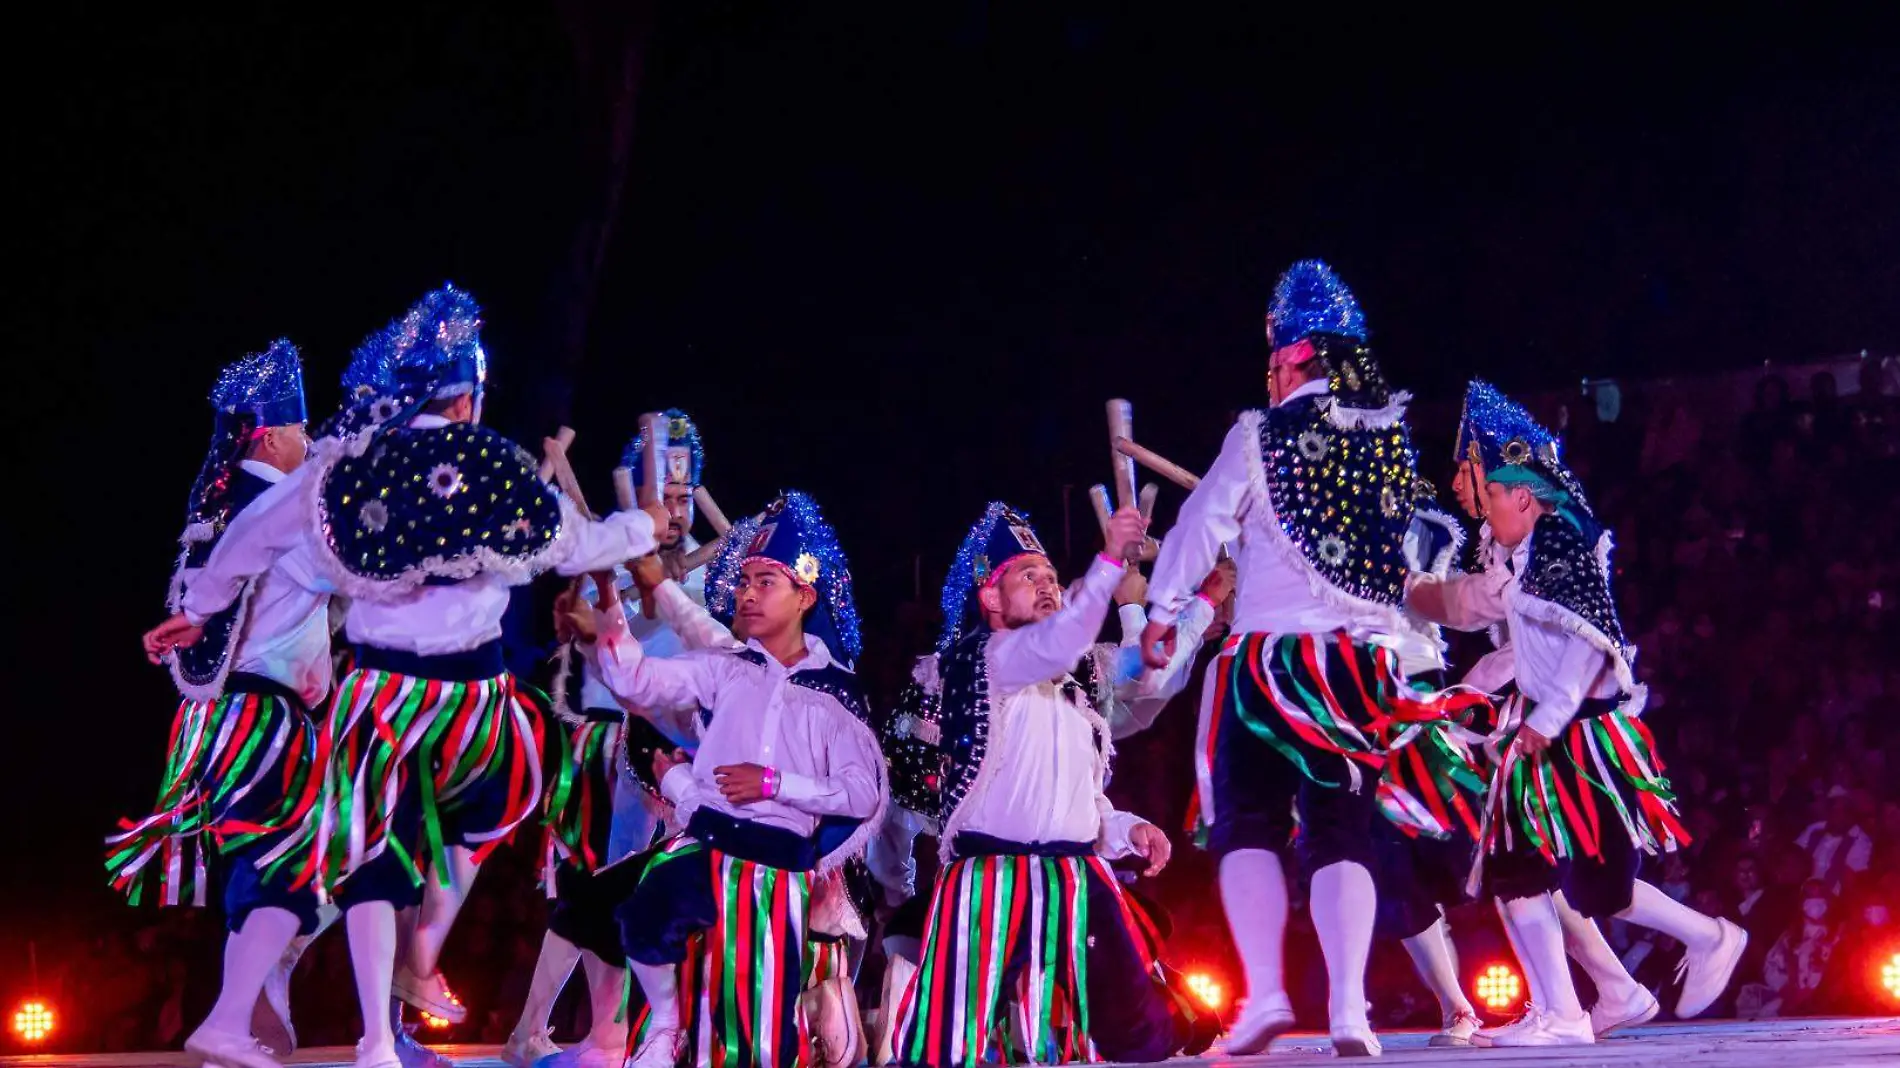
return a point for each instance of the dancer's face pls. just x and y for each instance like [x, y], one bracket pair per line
[679, 514]
[1028, 592]
[1462, 484]
[1512, 511]
[768, 603]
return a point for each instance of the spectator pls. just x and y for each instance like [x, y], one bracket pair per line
[1797, 963]
[1836, 845]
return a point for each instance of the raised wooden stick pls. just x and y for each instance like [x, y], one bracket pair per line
[1157, 463]
[1121, 423]
[714, 516]
[563, 437]
[1098, 496]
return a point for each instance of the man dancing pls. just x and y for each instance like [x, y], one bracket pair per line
[1317, 494]
[787, 783]
[1027, 830]
[1578, 798]
[425, 521]
[243, 744]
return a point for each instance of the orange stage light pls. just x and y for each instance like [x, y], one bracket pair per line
[432, 1022]
[1499, 987]
[33, 1022]
[1890, 976]
[1208, 989]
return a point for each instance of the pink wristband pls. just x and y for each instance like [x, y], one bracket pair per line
[1115, 560]
[1202, 594]
[771, 783]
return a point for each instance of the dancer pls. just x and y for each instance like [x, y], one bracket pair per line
[425, 520]
[1317, 494]
[606, 806]
[1578, 798]
[787, 784]
[243, 743]
[1026, 826]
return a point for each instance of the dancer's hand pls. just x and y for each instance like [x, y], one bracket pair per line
[1157, 644]
[665, 761]
[1133, 588]
[1126, 528]
[1531, 742]
[742, 784]
[661, 520]
[649, 571]
[1152, 844]
[168, 635]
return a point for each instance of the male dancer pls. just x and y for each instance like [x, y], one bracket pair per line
[787, 782]
[1578, 798]
[604, 806]
[243, 743]
[1027, 829]
[1318, 492]
[425, 521]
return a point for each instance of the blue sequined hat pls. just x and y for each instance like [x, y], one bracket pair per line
[265, 388]
[1510, 446]
[435, 349]
[999, 537]
[1310, 299]
[369, 389]
[793, 534]
[685, 455]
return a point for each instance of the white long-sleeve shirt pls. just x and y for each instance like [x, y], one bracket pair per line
[427, 620]
[1555, 668]
[827, 761]
[286, 636]
[1043, 780]
[1272, 595]
[1138, 701]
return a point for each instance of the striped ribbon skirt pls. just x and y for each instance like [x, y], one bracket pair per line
[239, 773]
[414, 766]
[1599, 787]
[1010, 929]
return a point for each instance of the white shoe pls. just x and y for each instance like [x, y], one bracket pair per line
[898, 971]
[524, 1051]
[1607, 1016]
[1706, 975]
[1459, 1027]
[660, 1050]
[429, 993]
[1489, 1036]
[366, 1060]
[1356, 1040]
[831, 1014]
[225, 1050]
[1258, 1027]
[1549, 1029]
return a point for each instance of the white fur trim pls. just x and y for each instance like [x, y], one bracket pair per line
[214, 689]
[860, 838]
[925, 674]
[1364, 418]
[516, 571]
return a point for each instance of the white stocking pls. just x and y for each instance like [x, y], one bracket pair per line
[1541, 942]
[1437, 963]
[660, 984]
[1585, 943]
[551, 969]
[1253, 889]
[1344, 905]
[1651, 908]
[606, 994]
[372, 928]
[250, 954]
[440, 905]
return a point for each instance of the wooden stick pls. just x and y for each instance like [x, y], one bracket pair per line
[564, 437]
[1146, 503]
[1157, 463]
[704, 501]
[1121, 423]
[1098, 496]
[564, 478]
[623, 489]
[703, 555]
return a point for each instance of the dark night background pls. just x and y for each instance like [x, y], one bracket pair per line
[895, 255]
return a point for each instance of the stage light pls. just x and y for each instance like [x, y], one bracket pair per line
[432, 1021]
[1890, 976]
[1208, 989]
[33, 1022]
[1499, 987]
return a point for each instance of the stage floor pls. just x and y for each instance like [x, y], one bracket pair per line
[1757, 1044]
